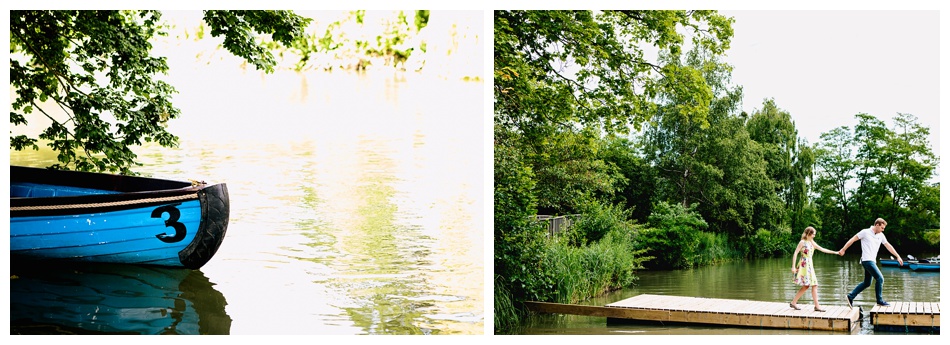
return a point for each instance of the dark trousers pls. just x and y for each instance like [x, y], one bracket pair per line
[870, 271]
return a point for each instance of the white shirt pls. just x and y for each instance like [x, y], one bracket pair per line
[870, 243]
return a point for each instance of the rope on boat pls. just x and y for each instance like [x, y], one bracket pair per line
[105, 204]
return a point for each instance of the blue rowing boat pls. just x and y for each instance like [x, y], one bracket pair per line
[925, 267]
[92, 217]
[892, 262]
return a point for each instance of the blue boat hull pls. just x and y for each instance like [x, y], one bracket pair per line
[127, 236]
[894, 263]
[925, 267]
[178, 227]
[889, 263]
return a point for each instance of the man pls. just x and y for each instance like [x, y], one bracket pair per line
[871, 240]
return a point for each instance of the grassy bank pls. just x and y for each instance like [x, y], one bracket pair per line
[603, 251]
[575, 273]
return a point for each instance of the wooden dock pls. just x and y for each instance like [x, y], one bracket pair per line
[907, 317]
[714, 311]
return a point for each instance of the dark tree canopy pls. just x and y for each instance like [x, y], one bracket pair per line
[93, 75]
[555, 69]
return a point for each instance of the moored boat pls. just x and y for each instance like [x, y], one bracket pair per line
[925, 267]
[892, 262]
[93, 217]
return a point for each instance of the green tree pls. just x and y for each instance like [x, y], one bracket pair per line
[908, 162]
[716, 166]
[569, 171]
[871, 198]
[835, 170]
[566, 79]
[895, 165]
[93, 76]
[558, 69]
[801, 209]
[879, 172]
[518, 239]
[774, 129]
[636, 185]
[737, 196]
[789, 160]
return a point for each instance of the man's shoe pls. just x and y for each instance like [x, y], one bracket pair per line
[883, 304]
[850, 301]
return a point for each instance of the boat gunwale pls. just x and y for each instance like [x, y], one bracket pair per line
[49, 206]
[131, 193]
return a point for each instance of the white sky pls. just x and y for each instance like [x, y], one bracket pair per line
[823, 67]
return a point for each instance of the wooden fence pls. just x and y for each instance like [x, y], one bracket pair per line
[557, 224]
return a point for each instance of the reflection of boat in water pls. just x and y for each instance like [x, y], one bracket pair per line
[114, 299]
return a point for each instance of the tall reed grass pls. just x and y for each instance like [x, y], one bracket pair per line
[587, 271]
[506, 315]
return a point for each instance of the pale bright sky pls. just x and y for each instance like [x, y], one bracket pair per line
[823, 67]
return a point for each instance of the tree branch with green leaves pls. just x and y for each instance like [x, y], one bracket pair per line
[93, 75]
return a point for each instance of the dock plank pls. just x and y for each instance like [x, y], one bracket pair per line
[906, 315]
[714, 311]
[672, 304]
[839, 312]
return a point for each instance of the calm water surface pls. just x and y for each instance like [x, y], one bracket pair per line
[761, 280]
[356, 208]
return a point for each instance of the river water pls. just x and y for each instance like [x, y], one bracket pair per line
[760, 280]
[357, 207]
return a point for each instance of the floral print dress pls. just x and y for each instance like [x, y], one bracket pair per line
[806, 268]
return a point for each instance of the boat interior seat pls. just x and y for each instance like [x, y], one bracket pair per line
[35, 190]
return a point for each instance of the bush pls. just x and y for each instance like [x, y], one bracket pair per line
[597, 220]
[674, 236]
[519, 241]
[714, 249]
[766, 244]
[933, 237]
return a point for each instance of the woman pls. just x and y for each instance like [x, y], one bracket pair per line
[804, 270]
